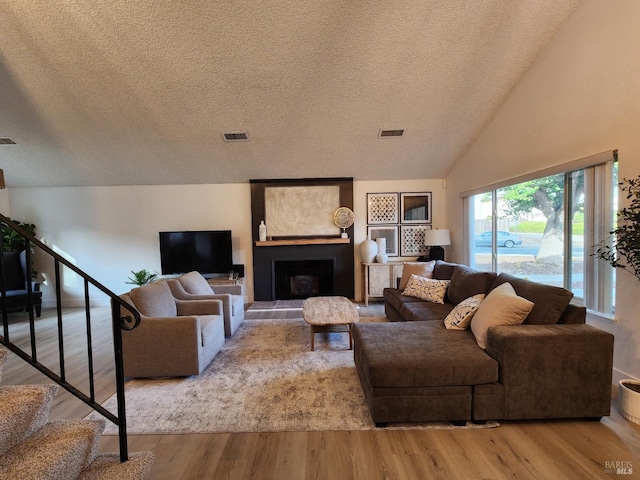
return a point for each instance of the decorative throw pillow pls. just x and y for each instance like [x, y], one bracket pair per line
[460, 317]
[549, 301]
[426, 288]
[421, 269]
[501, 307]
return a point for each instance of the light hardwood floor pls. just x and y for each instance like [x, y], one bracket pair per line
[522, 450]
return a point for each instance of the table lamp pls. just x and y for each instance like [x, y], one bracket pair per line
[435, 239]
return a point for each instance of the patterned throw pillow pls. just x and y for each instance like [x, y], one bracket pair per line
[426, 288]
[460, 317]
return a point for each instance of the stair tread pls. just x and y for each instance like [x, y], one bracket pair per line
[60, 449]
[23, 410]
[32, 448]
[107, 466]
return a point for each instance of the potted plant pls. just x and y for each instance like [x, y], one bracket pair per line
[624, 243]
[11, 240]
[141, 278]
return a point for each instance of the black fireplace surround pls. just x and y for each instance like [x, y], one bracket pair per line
[301, 270]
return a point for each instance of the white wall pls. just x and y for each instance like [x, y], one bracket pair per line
[580, 98]
[360, 190]
[110, 231]
[5, 206]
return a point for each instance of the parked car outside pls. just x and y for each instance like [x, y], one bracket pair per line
[504, 239]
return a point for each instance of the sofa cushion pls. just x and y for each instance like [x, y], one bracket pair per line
[394, 297]
[466, 282]
[195, 284]
[573, 314]
[422, 269]
[12, 270]
[443, 270]
[426, 289]
[460, 317]
[549, 301]
[421, 354]
[154, 300]
[17, 293]
[501, 307]
[422, 311]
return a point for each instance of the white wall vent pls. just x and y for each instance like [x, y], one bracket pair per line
[390, 133]
[236, 137]
[6, 141]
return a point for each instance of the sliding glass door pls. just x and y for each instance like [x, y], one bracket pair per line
[536, 230]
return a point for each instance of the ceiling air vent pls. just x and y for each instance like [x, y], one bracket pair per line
[390, 133]
[236, 137]
[6, 141]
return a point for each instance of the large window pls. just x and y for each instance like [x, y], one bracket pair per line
[544, 229]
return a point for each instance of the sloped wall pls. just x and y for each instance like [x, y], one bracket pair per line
[581, 97]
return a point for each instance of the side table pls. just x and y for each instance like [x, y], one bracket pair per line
[378, 276]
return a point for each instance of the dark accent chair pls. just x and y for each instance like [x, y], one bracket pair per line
[14, 273]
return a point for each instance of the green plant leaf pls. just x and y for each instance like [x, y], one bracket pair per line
[622, 248]
[141, 278]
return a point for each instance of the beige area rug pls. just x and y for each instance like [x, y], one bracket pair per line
[265, 378]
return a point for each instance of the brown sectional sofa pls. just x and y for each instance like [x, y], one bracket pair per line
[413, 369]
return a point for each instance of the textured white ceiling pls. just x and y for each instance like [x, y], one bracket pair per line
[126, 92]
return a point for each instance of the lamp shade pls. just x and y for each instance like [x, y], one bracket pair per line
[437, 237]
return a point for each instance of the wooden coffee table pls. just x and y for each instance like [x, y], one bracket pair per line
[329, 314]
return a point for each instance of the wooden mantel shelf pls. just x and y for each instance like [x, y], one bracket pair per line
[303, 241]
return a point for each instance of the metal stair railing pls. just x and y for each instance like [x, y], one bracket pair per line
[119, 322]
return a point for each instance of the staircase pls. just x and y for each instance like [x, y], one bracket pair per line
[32, 447]
[27, 447]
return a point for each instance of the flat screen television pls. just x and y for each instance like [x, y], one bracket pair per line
[208, 252]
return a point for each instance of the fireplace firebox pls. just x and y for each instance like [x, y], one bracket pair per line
[302, 278]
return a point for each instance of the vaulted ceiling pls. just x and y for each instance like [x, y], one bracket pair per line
[137, 92]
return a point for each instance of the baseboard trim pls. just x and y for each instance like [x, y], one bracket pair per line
[620, 375]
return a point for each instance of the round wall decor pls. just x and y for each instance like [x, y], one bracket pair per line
[343, 218]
